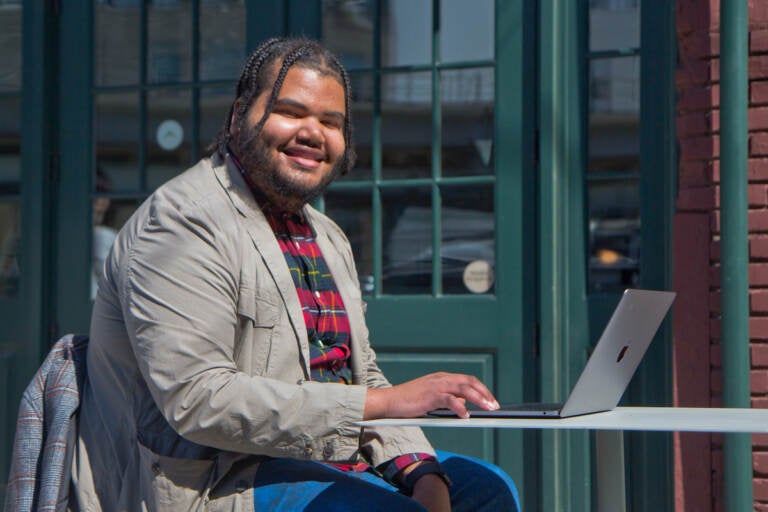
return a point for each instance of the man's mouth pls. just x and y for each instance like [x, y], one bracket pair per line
[306, 157]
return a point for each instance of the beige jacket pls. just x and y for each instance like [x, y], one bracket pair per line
[198, 364]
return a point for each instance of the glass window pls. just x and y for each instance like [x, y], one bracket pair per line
[613, 177]
[10, 148]
[117, 45]
[406, 27]
[466, 30]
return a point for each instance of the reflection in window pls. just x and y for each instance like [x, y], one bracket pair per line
[407, 226]
[613, 177]
[468, 241]
[10, 238]
[352, 211]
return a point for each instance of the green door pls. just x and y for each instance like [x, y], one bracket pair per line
[439, 204]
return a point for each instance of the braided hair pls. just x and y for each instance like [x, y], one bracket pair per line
[257, 76]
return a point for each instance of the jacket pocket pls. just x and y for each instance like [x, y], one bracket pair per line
[258, 316]
[169, 483]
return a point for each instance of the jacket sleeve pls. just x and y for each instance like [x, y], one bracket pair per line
[179, 294]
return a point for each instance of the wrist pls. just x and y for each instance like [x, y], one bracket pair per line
[415, 471]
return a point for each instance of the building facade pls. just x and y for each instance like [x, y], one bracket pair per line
[520, 164]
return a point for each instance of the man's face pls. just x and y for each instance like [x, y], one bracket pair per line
[299, 151]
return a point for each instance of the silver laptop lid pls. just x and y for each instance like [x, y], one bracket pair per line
[618, 352]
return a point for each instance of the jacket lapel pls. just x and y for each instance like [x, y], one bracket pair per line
[266, 245]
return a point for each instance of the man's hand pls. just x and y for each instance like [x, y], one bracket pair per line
[431, 493]
[434, 391]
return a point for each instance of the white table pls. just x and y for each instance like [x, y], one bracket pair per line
[609, 427]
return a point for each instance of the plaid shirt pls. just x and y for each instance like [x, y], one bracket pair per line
[324, 313]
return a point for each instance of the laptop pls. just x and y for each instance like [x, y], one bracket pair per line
[609, 369]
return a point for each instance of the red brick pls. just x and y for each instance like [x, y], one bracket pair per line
[758, 381]
[758, 66]
[760, 489]
[759, 402]
[703, 147]
[694, 123]
[760, 462]
[757, 169]
[758, 247]
[692, 17]
[758, 92]
[758, 41]
[716, 383]
[760, 440]
[758, 144]
[696, 199]
[714, 250]
[758, 118]
[715, 355]
[758, 13]
[757, 221]
[757, 195]
[758, 330]
[759, 354]
[695, 173]
[758, 274]
[693, 73]
[699, 44]
[697, 98]
[714, 306]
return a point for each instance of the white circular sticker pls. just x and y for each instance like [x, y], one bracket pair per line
[170, 134]
[478, 276]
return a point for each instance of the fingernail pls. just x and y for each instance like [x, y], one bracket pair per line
[492, 405]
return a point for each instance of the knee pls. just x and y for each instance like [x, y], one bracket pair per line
[481, 483]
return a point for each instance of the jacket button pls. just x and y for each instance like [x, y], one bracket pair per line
[308, 452]
[327, 451]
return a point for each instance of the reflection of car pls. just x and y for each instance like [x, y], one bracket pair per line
[467, 236]
[615, 253]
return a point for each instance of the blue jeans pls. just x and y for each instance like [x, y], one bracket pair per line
[287, 485]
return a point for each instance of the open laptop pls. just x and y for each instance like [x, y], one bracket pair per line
[610, 367]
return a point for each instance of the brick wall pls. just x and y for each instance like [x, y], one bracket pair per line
[697, 81]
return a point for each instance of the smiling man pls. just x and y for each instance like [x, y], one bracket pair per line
[229, 357]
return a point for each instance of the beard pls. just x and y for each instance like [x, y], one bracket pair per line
[277, 187]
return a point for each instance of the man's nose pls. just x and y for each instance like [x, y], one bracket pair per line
[310, 133]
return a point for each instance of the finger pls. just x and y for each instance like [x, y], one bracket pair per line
[458, 406]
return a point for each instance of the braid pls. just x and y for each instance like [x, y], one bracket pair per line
[256, 77]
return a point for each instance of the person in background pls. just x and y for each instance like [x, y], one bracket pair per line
[103, 233]
[229, 359]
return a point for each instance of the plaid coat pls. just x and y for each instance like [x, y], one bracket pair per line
[46, 430]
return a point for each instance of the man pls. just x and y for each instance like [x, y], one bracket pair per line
[229, 357]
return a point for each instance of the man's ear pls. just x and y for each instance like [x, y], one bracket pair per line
[233, 118]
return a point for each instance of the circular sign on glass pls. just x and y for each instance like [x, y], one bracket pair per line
[169, 134]
[478, 276]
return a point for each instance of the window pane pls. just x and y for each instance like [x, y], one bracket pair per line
[614, 24]
[362, 121]
[351, 209]
[214, 105]
[348, 31]
[10, 237]
[406, 28]
[10, 42]
[222, 39]
[614, 234]
[466, 30]
[10, 143]
[169, 44]
[117, 134]
[468, 241]
[406, 125]
[117, 40]
[614, 85]
[467, 117]
[169, 131]
[407, 233]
